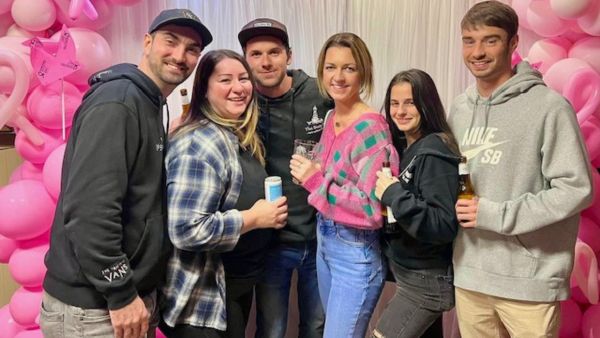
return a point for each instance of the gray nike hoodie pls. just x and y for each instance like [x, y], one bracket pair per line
[530, 169]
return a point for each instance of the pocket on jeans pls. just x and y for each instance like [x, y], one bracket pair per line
[51, 321]
[354, 237]
[446, 292]
[96, 322]
[94, 316]
[49, 314]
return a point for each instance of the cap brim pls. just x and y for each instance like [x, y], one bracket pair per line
[251, 33]
[195, 25]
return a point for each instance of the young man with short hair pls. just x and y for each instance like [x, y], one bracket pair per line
[291, 108]
[514, 252]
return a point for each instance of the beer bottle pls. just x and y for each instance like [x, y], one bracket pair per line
[387, 211]
[465, 188]
[185, 104]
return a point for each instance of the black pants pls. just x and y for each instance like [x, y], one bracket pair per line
[185, 331]
[239, 293]
[420, 300]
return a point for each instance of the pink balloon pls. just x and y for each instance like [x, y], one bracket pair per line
[20, 86]
[53, 170]
[16, 174]
[569, 9]
[34, 15]
[9, 75]
[590, 325]
[588, 50]
[9, 327]
[585, 271]
[5, 22]
[25, 307]
[591, 133]
[543, 21]
[590, 21]
[103, 8]
[521, 7]
[27, 266]
[38, 154]
[93, 52]
[30, 334]
[27, 210]
[40, 240]
[5, 6]
[17, 31]
[548, 51]
[558, 74]
[589, 233]
[593, 212]
[577, 295]
[570, 318]
[31, 171]
[45, 104]
[20, 122]
[7, 247]
[583, 91]
[125, 2]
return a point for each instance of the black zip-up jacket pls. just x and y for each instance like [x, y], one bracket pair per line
[423, 205]
[108, 241]
[298, 114]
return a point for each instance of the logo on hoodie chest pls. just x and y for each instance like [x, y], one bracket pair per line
[160, 146]
[482, 141]
[315, 124]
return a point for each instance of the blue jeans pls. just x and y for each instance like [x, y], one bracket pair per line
[421, 298]
[273, 292]
[351, 273]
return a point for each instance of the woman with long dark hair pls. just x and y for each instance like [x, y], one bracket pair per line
[418, 244]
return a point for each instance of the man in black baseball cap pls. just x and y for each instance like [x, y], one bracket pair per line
[291, 108]
[109, 247]
[263, 27]
[181, 17]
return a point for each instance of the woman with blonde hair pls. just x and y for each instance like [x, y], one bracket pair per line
[354, 145]
[214, 187]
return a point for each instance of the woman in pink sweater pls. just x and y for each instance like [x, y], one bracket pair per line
[341, 181]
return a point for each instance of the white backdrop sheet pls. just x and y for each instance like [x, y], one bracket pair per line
[401, 34]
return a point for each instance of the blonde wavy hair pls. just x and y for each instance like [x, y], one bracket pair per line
[245, 128]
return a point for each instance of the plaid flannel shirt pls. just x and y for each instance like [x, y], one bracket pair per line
[203, 184]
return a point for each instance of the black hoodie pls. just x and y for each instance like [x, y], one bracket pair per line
[298, 114]
[108, 241]
[423, 204]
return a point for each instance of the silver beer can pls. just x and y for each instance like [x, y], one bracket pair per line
[273, 188]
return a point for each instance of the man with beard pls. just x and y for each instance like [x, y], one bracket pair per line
[109, 245]
[291, 108]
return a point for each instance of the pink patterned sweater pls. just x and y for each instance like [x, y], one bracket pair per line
[344, 190]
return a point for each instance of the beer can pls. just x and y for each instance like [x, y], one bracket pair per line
[273, 188]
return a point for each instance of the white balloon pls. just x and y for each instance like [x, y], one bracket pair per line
[570, 9]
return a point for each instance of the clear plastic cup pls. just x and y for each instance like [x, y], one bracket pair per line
[305, 148]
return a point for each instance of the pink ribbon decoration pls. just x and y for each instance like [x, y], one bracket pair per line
[76, 7]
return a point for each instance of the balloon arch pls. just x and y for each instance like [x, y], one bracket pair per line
[38, 98]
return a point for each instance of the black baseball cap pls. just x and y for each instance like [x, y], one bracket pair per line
[182, 17]
[263, 26]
